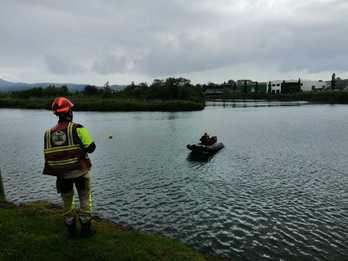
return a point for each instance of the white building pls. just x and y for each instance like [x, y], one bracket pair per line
[276, 86]
[308, 85]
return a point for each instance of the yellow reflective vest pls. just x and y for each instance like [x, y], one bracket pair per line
[63, 149]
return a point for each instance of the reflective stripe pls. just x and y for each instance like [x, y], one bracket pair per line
[46, 142]
[61, 148]
[85, 199]
[90, 204]
[62, 162]
[70, 135]
[48, 138]
[58, 165]
[69, 204]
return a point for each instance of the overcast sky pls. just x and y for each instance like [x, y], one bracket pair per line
[94, 41]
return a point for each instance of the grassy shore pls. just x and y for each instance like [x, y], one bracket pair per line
[36, 232]
[107, 104]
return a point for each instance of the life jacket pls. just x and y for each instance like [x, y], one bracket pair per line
[63, 150]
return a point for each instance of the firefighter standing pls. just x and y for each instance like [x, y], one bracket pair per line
[66, 148]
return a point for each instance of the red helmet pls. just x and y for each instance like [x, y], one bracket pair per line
[61, 105]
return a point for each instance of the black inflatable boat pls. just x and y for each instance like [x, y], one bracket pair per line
[204, 149]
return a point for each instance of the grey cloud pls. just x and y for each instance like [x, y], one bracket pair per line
[158, 37]
[280, 40]
[110, 64]
[62, 65]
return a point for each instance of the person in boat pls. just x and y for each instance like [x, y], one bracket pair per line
[207, 140]
[66, 148]
[204, 139]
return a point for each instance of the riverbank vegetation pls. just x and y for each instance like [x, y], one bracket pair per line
[36, 232]
[99, 104]
[172, 94]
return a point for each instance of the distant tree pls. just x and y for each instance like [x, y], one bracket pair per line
[212, 85]
[131, 86]
[245, 86]
[64, 88]
[333, 81]
[299, 84]
[49, 91]
[256, 87]
[232, 84]
[107, 91]
[90, 90]
[283, 87]
[168, 89]
[143, 85]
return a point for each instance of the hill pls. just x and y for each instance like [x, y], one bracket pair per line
[6, 86]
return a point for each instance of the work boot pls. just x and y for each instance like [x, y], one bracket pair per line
[86, 229]
[70, 224]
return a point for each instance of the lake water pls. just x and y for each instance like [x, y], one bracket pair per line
[278, 190]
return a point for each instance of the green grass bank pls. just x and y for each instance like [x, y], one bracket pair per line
[36, 232]
[105, 104]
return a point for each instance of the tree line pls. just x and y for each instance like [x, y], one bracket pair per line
[168, 89]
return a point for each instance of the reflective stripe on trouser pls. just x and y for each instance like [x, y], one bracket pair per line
[83, 188]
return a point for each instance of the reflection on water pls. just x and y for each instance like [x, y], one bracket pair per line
[278, 190]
